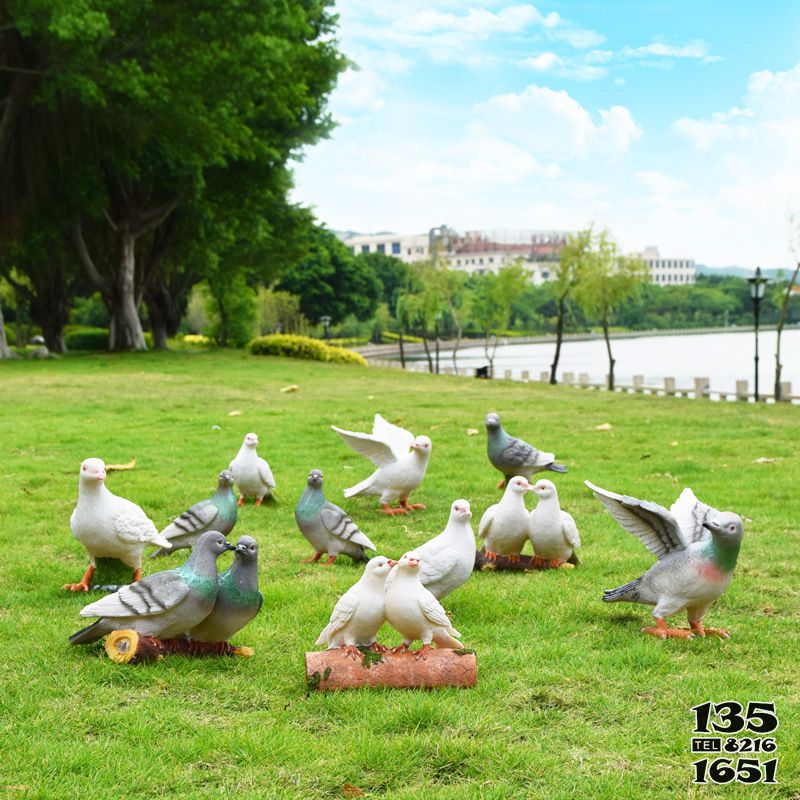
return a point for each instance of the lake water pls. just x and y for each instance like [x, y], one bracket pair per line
[724, 358]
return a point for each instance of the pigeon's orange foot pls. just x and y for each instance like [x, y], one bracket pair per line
[83, 586]
[502, 484]
[313, 560]
[387, 509]
[661, 631]
[351, 651]
[401, 648]
[330, 561]
[538, 562]
[378, 648]
[417, 506]
[555, 563]
[422, 653]
[702, 632]
[513, 558]
[240, 501]
[490, 556]
[137, 575]
[259, 501]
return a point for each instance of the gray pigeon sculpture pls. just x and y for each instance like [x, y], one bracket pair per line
[238, 600]
[513, 456]
[696, 547]
[164, 605]
[359, 614]
[218, 513]
[109, 526]
[326, 526]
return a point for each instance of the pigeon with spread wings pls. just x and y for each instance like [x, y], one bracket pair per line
[401, 461]
[696, 547]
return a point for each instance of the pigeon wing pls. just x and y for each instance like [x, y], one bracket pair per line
[338, 524]
[434, 613]
[519, 454]
[131, 524]
[691, 513]
[654, 526]
[265, 473]
[193, 520]
[398, 439]
[377, 451]
[570, 529]
[149, 597]
[341, 615]
[485, 525]
[435, 566]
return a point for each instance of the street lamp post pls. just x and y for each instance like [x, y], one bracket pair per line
[326, 324]
[757, 289]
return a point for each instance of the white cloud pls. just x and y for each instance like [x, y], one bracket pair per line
[696, 49]
[552, 124]
[358, 90]
[551, 62]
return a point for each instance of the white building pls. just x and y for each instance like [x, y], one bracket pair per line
[408, 248]
[668, 271]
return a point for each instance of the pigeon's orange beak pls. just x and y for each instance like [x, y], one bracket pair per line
[391, 562]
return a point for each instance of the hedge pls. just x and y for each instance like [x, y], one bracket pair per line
[292, 346]
[86, 338]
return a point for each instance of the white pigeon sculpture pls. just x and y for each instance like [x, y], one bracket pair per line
[553, 532]
[109, 526]
[359, 614]
[251, 473]
[415, 613]
[401, 461]
[449, 558]
[504, 526]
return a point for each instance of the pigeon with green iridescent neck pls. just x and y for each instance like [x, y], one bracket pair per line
[218, 513]
[166, 604]
[238, 600]
[326, 526]
[696, 547]
[513, 456]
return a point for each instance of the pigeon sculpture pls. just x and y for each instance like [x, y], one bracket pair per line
[164, 605]
[218, 513]
[504, 526]
[251, 473]
[238, 600]
[401, 461]
[513, 456]
[696, 547]
[327, 528]
[447, 559]
[415, 613]
[552, 531]
[109, 526]
[359, 614]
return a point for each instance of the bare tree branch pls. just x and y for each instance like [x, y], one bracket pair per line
[83, 252]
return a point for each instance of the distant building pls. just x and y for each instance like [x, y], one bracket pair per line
[668, 271]
[408, 248]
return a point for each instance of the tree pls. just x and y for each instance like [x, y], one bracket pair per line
[5, 351]
[423, 303]
[574, 256]
[784, 310]
[607, 279]
[160, 95]
[331, 281]
[391, 272]
[491, 308]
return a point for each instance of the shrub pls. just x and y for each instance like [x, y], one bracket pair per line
[285, 344]
[77, 337]
[11, 337]
[197, 339]
[390, 337]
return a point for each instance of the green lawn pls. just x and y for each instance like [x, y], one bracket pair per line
[572, 701]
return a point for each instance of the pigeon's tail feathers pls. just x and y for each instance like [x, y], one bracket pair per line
[324, 637]
[444, 639]
[359, 487]
[362, 557]
[160, 552]
[574, 559]
[91, 633]
[556, 467]
[630, 591]
[161, 541]
[164, 551]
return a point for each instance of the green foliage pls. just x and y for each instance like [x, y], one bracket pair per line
[89, 311]
[81, 337]
[283, 344]
[391, 272]
[231, 310]
[279, 312]
[11, 337]
[331, 281]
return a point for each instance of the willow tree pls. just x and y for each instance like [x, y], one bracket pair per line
[607, 280]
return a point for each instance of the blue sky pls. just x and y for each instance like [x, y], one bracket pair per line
[673, 124]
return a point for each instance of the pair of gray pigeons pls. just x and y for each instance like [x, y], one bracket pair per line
[192, 600]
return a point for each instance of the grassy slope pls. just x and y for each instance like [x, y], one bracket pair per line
[572, 699]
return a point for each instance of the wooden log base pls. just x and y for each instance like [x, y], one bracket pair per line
[127, 647]
[332, 670]
[504, 564]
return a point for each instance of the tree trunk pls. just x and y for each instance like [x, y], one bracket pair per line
[781, 322]
[559, 338]
[427, 352]
[53, 332]
[5, 352]
[125, 323]
[611, 361]
[402, 350]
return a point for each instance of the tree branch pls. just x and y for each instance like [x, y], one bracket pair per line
[83, 252]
